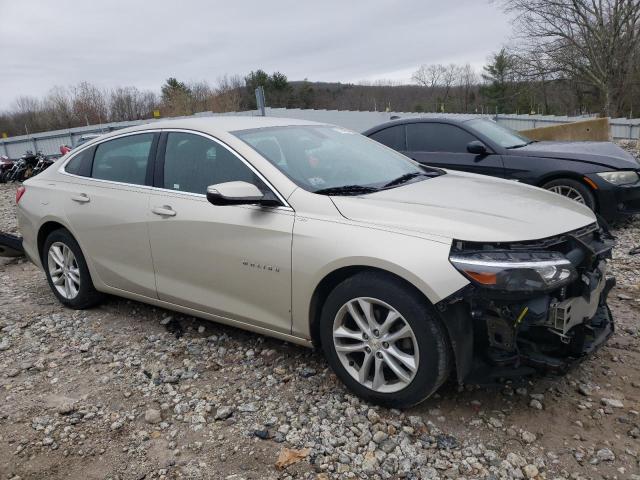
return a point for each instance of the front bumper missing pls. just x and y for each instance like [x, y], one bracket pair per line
[500, 336]
[10, 245]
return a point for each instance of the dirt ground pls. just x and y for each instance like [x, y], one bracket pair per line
[129, 391]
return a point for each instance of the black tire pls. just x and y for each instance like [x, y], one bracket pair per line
[435, 354]
[87, 295]
[581, 188]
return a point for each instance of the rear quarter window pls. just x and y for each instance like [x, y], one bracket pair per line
[392, 137]
[80, 164]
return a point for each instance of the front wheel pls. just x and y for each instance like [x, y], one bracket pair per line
[573, 190]
[383, 340]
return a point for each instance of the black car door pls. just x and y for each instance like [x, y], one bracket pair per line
[445, 145]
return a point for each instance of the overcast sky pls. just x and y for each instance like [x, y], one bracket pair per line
[133, 42]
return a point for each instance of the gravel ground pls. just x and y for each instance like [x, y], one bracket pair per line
[129, 391]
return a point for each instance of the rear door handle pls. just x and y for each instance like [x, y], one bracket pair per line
[164, 211]
[81, 198]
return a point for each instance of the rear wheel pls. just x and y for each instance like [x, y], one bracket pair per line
[384, 341]
[572, 189]
[67, 271]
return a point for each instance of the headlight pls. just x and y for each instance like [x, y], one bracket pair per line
[621, 177]
[515, 271]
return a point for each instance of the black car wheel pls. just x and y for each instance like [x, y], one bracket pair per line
[573, 190]
[384, 341]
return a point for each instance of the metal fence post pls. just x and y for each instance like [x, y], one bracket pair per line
[260, 100]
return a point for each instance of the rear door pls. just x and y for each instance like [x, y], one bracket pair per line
[106, 204]
[232, 261]
[445, 145]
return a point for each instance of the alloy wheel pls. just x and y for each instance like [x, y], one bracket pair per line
[64, 270]
[569, 192]
[375, 344]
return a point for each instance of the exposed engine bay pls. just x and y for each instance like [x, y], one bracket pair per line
[530, 305]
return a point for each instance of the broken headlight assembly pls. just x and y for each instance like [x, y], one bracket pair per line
[515, 272]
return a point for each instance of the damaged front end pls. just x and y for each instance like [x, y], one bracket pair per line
[530, 305]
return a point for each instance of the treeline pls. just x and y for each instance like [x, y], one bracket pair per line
[570, 57]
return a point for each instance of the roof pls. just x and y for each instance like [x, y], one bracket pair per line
[454, 120]
[223, 123]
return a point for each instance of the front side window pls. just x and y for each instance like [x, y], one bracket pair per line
[321, 158]
[193, 162]
[437, 137]
[503, 136]
[123, 159]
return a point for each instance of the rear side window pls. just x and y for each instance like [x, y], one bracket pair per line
[81, 163]
[392, 137]
[437, 137]
[123, 159]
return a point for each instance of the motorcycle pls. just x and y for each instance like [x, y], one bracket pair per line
[23, 167]
[42, 165]
[5, 165]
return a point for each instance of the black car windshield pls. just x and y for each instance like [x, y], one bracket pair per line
[503, 136]
[332, 160]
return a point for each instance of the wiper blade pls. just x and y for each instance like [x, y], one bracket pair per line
[521, 145]
[408, 176]
[346, 190]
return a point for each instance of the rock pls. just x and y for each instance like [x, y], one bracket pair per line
[373, 416]
[379, 436]
[536, 404]
[166, 320]
[605, 455]
[152, 416]
[530, 471]
[369, 463]
[223, 413]
[612, 402]
[307, 372]
[66, 408]
[585, 390]
[4, 344]
[201, 329]
[528, 437]
[446, 441]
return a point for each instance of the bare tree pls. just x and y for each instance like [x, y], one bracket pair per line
[429, 75]
[228, 93]
[596, 41]
[468, 80]
[129, 103]
[89, 103]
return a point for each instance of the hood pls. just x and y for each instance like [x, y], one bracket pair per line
[468, 207]
[606, 154]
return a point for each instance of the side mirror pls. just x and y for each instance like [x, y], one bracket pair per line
[477, 148]
[239, 193]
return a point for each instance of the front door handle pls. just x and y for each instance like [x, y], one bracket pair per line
[81, 198]
[164, 211]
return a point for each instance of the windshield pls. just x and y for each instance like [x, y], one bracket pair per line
[503, 136]
[332, 160]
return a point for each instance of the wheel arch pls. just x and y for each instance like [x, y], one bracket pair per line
[335, 277]
[45, 230]
[575, 176]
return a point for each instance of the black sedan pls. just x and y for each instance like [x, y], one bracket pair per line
[599, 174]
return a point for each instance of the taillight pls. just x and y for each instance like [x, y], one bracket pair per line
[20, 193]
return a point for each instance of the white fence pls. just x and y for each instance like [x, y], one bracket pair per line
[49, 142]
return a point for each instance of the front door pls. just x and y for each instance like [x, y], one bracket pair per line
[231, 261]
